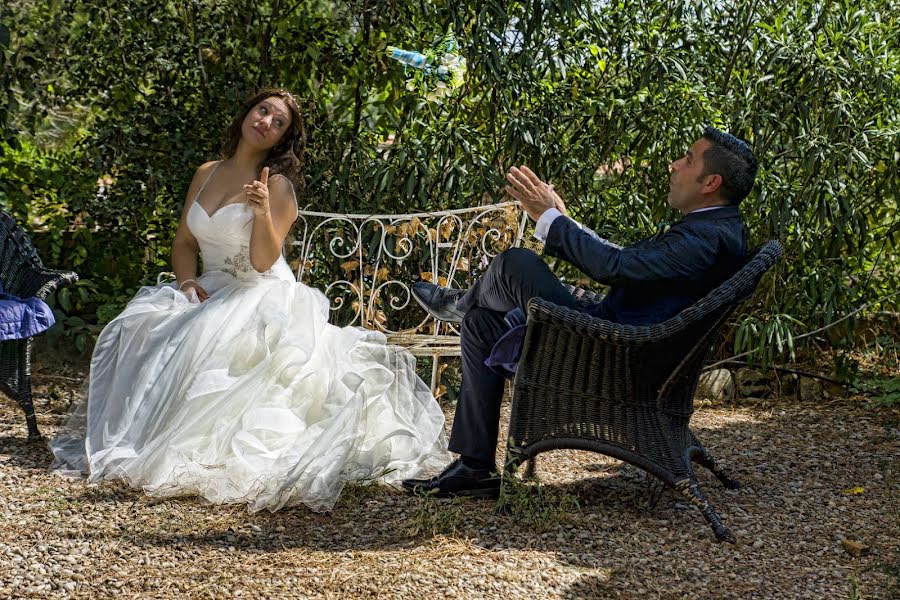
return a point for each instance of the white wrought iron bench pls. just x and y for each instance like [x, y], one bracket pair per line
[366, 264]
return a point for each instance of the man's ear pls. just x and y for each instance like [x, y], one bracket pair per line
[712, 184]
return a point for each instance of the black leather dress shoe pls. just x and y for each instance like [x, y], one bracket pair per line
[457, 480]
[440, 302]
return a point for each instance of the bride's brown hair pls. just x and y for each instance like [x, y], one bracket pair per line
[287, 156]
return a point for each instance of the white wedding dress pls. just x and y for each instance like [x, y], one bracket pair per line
[250, 396]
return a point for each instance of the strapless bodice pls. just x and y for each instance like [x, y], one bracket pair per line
[224, 239]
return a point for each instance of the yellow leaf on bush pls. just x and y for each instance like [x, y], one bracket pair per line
[853, 491]
[442, 281]
[382, 274]
[350, 265]
[426, 276]
[462, 264]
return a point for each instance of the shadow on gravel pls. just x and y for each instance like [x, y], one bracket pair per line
[797, 463]
[593, 586]
[375, 518]
[25, 454]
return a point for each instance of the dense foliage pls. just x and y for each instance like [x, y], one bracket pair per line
[107, 107]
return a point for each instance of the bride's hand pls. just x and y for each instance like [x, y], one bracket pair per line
[257, 194]
[192, 288]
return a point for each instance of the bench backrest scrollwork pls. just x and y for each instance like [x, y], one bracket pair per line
[366, 264]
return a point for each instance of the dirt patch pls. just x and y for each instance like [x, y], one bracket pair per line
[813, 474]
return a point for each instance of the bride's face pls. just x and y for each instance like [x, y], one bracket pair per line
[266, 123]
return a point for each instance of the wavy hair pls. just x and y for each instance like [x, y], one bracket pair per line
[287, 156]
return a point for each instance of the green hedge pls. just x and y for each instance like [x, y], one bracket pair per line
[139, 92]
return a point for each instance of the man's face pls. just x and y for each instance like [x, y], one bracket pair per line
[686, 187]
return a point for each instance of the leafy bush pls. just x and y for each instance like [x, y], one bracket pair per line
[882, 392]
[107, 107]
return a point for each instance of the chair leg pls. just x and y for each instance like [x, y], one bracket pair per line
[30, 419]
[706, 459]
[654, 488]
[511, 462]
[690, 489]
[23, 395]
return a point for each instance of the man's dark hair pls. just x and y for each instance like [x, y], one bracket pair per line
[733, 160]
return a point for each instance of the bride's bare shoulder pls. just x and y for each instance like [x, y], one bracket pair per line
[201, 175]
[206, 168]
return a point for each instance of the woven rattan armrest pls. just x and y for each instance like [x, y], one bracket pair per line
[544, 311]
[42, 281]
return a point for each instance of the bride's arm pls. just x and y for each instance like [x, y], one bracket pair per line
[272, 224]
[185, 248]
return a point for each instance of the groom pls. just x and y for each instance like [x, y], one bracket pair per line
[650, 281]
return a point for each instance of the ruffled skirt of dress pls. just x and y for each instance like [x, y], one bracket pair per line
[250, 397]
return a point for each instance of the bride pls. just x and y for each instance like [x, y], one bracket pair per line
[231, 384]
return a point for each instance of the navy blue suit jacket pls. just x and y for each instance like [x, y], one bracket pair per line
[659, 276]
[650, 281]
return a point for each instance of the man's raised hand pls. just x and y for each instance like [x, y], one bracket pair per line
[533, 195]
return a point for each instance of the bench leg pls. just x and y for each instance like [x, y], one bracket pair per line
[434, 375]
[690, 489]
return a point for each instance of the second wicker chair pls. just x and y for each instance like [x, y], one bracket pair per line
[24, 275]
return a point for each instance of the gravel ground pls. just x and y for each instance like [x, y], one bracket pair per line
[590, 534]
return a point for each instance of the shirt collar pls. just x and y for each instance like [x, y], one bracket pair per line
[706, 208]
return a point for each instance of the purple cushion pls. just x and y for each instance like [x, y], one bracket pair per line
[23, 318]
[504, 357]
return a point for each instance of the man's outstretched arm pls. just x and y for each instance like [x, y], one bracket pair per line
[542, 227]
[680, 254]
[541, 202]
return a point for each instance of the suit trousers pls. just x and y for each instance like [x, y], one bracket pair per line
[514, 277]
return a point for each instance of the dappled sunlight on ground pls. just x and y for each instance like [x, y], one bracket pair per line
[812, 475]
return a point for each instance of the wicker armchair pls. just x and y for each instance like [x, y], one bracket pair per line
[23, 275]
[625, 391]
